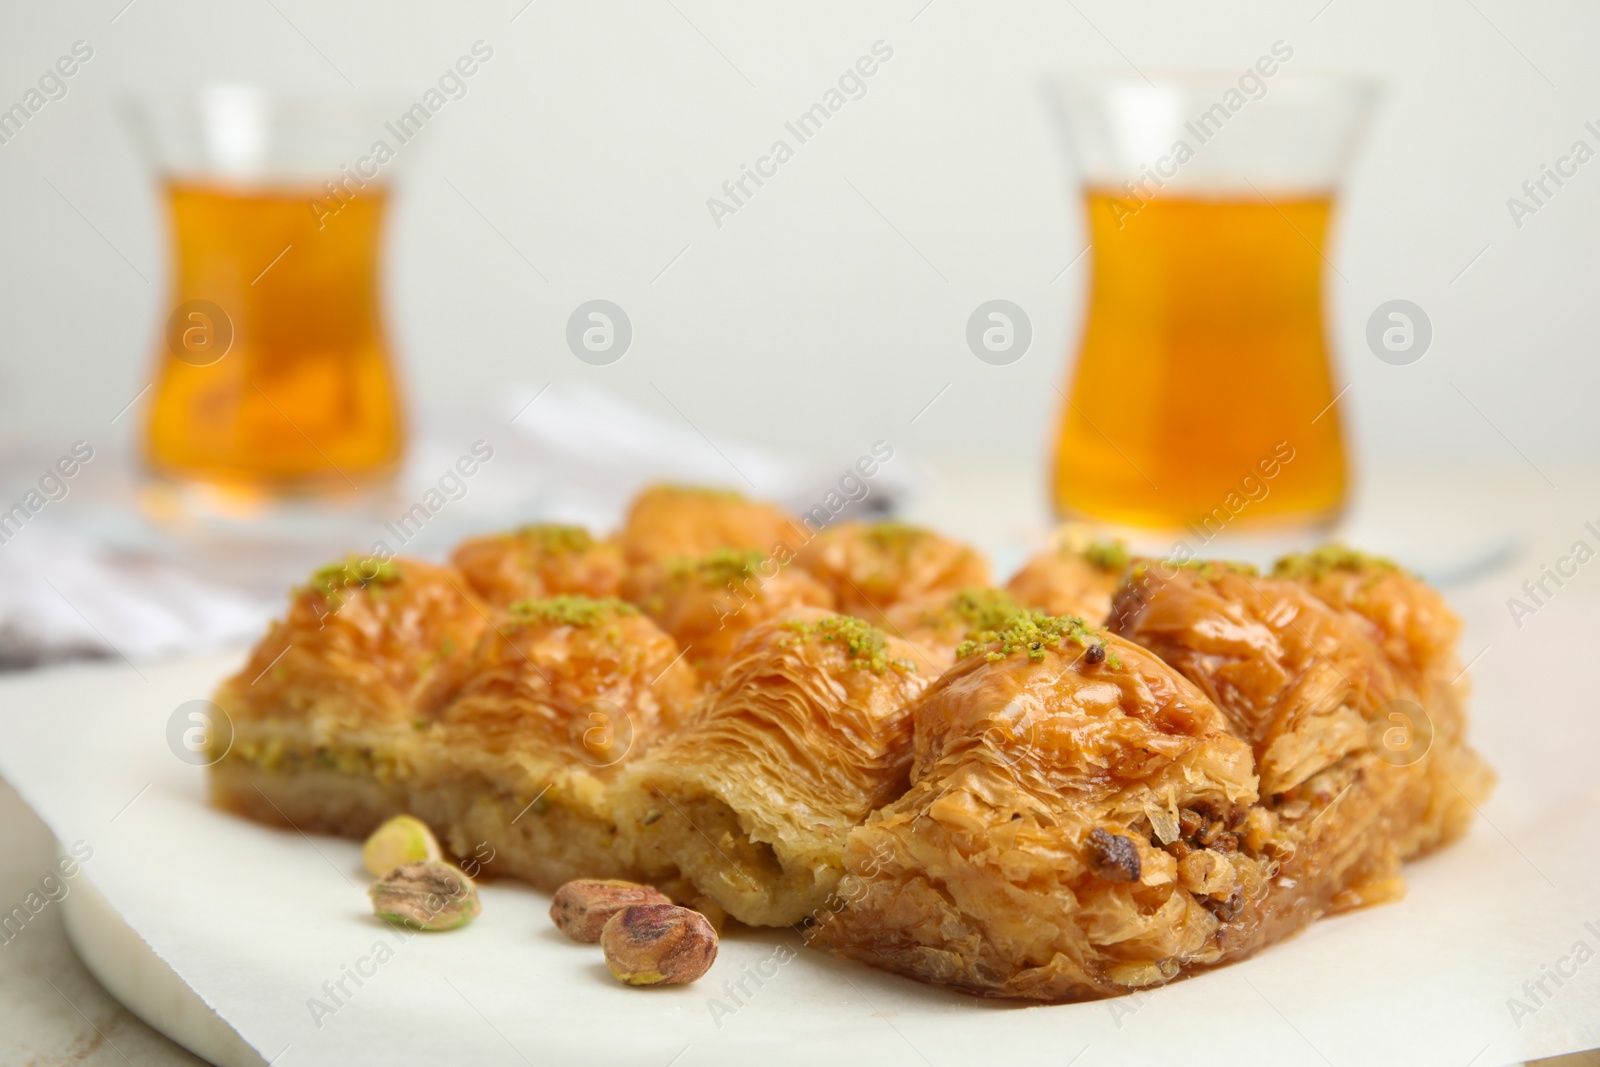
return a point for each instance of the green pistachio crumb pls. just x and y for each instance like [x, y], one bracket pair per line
[570, 610]
[1107, 555]
[1318, 563]
[865, 645]
[984, 609]
[1032, 632]
[1208, 569]
[353, 572]
[705, 491]
[895, 537]
[717, 569]
[556, 539]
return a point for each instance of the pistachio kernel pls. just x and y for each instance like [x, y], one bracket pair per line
[581, 908]
[400, 840]
[427, 895]
[658, 944]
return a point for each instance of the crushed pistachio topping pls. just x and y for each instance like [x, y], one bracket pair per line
[1107, 555]
[1032, 632]
[1208, 569]
[865, 645]
[984, 609]
[1319, 563]
[895, 537]
[353, 573]
[722, 567]
[556, 539]
[570, 610]
[704, 491]
[1211, 569]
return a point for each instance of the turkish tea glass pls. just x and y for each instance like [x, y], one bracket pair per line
[1203, 396]
[273, 375]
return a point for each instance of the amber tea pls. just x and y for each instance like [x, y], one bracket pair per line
[1203, 366]
[274, 371]
[1204, 393]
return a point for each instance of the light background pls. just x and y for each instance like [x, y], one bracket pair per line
[831, 309]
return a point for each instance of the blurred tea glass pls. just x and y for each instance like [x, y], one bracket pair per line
[1203, 394]
[273, 377]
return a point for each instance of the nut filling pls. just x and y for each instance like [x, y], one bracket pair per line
[1113, 856]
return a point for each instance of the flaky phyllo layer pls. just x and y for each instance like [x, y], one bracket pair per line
[1096, 813]
[849, 731]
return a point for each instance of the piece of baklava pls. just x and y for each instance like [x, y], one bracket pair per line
[871, 567]
[539, 561]
[1026, 858]
[1087, 819]
[709, 603]
[1411, 621]
[1341, 671]
[324, 714]
[936, 626]
[560, 694]
[1074, 576]
[807, 731]
[685, 522]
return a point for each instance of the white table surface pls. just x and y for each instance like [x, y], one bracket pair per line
[53, 1012]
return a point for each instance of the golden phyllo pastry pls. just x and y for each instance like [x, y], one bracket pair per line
[1075, 576]
[871, 567]
[709, 603]
[1411, 622]
[323, 712]
[1343, 676]
[559, 695]
[861, 736]
[807, 731]
[936, 626]
[539, 561]
[684, 522]
[1027, 857]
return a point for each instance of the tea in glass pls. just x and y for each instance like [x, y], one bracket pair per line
[1204, 394]
[272, 374]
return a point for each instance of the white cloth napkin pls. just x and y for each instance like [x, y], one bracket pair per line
[93, 577]
[601, 451]
[62, 597]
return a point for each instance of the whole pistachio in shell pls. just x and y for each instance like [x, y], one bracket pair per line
[582, 908]
[658, 944]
